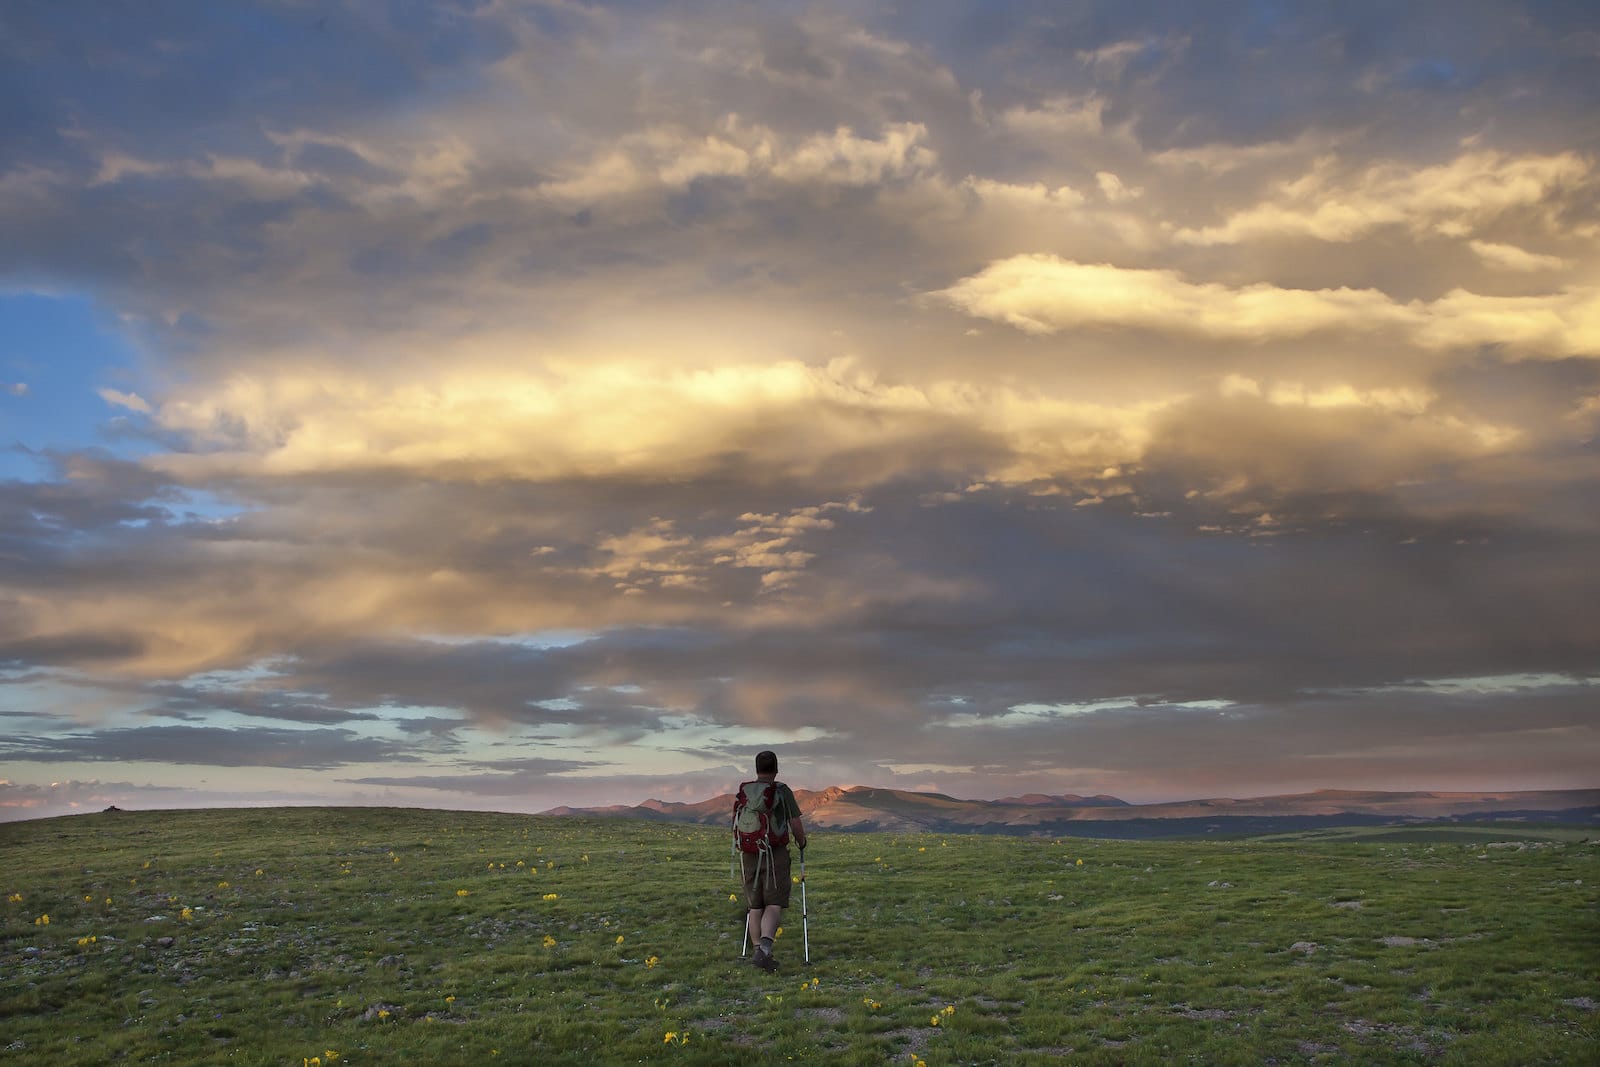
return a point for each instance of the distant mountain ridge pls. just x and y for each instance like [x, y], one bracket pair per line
[867, 808]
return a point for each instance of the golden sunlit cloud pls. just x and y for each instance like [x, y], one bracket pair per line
[1044, 294]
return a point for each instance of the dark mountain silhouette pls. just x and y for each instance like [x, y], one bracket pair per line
[864, 808]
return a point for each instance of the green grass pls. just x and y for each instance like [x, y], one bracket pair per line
[313, 929]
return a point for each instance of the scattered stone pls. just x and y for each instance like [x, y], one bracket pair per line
[17, 1046]
[391, 961]
[30, 953]
[156, 919]
[1353, 905]
[1307, 947]
[1400, 941]
[1219, 885]
[1586, 1003]
[378, 1011]
[164, 942]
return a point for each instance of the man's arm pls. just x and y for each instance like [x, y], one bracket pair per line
[798, 830]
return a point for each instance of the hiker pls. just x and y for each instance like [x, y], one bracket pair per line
[765, 856]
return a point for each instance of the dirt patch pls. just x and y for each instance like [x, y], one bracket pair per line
[1212, 1014]
[915, 1038]
[831, 1015]
[1586, 1003]
[1400, 941]
[1402, 1037]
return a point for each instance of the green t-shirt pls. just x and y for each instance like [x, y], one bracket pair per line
[785, 803]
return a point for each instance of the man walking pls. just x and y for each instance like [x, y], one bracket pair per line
[766, 865]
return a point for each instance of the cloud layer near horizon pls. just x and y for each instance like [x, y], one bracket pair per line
[565, 400]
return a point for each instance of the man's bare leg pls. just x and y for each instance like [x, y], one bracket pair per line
[753, 927]
[771, 916]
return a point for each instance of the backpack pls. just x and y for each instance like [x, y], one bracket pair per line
[758, 823]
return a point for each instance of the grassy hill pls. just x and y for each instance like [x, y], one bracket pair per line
[273, 936]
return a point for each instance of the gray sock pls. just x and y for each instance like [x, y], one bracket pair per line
[766, 946]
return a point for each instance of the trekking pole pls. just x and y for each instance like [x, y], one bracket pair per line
[805, 919]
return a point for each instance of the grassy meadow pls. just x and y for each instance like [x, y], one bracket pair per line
[360, 936]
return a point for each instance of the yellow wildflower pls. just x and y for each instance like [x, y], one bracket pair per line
[451, 999]
[187, 913]
[778, 932]
[672, 1035]
[949, 1009]
[733, 896]
[43, 920]
[331, 1055]
[552, 896]
[463, 892]
[383, 1013]
[652, 961]
[521, 864]
[259, 872]
[223, 885]
[1080, 863]
[933, 1021]
[14, 898]
[619, 939]
[549, 942]
[108, 901]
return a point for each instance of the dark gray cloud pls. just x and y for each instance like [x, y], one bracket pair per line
[207, 746]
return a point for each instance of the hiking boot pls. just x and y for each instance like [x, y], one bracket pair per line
[765, 962]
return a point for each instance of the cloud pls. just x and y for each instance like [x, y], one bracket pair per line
[1453, 199]
[605, 393]
[207, 746]
[1510, 257]
[1045, 294]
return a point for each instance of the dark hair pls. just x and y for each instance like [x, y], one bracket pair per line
[767, 762]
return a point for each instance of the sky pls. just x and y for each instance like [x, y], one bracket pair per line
[508, 404]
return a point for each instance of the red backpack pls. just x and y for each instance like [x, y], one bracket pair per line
[758, 824]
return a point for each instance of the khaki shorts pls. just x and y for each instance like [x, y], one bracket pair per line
[771, 887]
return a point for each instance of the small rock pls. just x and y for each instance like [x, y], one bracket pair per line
[30, 953]
[1219, 885]
[1586, 1003]
[164, 942]
[1307, 947]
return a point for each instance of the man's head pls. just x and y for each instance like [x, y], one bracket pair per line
[767, 762]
